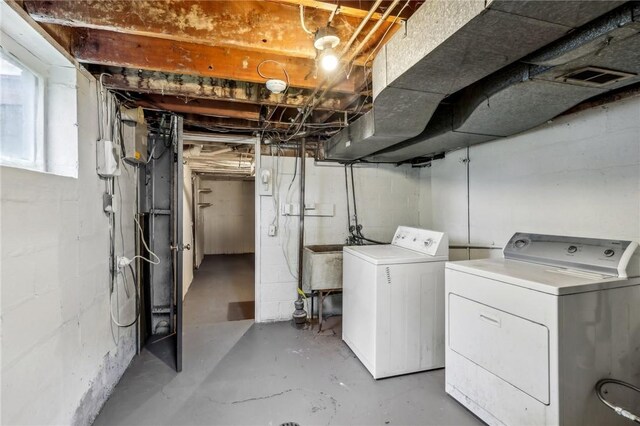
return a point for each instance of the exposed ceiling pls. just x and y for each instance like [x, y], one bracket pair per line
[208, 60]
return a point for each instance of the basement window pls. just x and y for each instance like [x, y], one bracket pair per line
[39, 87]
[21, 114]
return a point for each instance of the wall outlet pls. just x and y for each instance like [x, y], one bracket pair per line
[273, 230]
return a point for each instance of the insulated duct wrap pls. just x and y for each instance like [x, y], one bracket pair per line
[531, 92]
[448, 46]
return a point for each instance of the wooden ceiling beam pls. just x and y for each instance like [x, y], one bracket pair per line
[262, 26]
[206, 107]
[190, 87]
[148, 53]
[199, 122]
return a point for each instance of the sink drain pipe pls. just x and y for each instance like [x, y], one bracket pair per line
[300, 315]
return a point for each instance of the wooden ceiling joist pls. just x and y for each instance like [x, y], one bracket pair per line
[147, 53]
[268, 27]
[201, 106]
[192, 87]
[199, 122]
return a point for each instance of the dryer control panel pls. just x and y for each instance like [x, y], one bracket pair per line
[609, 257]
[422, 240]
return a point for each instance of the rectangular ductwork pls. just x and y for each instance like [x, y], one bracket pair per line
[447, 46]
[601, 56]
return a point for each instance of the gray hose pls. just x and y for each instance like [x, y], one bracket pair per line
[619, 410]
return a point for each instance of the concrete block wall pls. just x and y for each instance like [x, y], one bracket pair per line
[229, 223]
[187, 230]
[578, 175]
[61, 354]
[387, 196]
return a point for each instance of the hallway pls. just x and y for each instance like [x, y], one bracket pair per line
[222, 290]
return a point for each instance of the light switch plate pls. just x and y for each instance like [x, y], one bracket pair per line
[265, 182]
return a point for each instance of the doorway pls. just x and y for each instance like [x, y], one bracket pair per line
[222, 229]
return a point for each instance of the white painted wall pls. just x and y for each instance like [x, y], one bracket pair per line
[579, 175]
[187, 230]
[229, 223]
[61, 354]
[387, 196]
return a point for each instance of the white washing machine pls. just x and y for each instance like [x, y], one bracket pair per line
[393, 302]
[528, 336]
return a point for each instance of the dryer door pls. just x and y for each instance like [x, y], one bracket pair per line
[511, 347]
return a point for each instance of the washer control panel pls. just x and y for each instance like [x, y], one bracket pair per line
[590, 254]
[424, 241]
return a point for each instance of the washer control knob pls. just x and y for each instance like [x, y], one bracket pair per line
[520, 243]
[609, 252]
[572, 249]
[428, 242]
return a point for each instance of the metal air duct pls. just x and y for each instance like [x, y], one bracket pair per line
[602, 56]
[446, 47]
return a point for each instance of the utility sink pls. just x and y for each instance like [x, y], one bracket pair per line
[322, 267]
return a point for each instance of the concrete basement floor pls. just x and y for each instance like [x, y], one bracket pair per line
[241, 373]
[223, 289]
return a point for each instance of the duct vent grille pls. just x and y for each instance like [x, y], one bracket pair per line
[598, 77]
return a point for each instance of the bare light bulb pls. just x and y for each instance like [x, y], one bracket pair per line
[328, 60]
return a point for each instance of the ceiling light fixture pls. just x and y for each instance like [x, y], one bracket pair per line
[325, 41]
[275, 85]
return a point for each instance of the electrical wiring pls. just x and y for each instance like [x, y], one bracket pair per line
[137, 301]
[284, 70]
[144, 243]
[110, 127]
[285, 232]
[304, 27]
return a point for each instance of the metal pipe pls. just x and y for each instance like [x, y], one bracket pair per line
[355, 34]
[354, 53]
[301, 236]
[299, 314]
[346, 183]
[373, 30]
[353, 194]
[360, 27]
